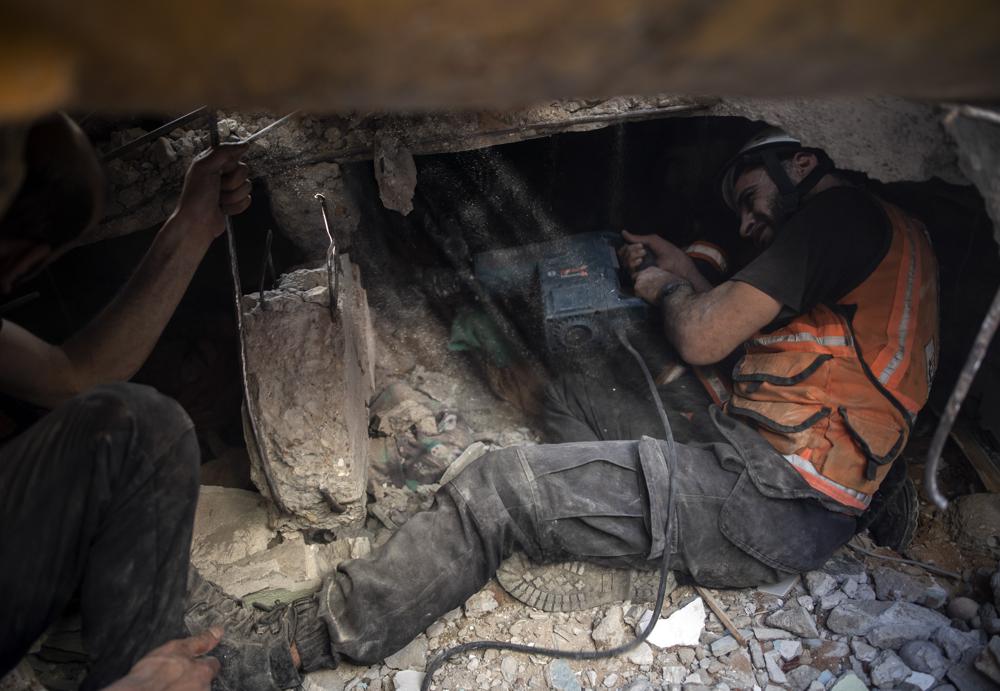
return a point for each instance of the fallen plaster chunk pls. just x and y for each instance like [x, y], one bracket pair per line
[229, 525]
[683, 627]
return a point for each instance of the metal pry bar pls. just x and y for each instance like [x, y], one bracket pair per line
[155, 134]
[954, 405]
[332, 277]
[234, 269]
[267, 128]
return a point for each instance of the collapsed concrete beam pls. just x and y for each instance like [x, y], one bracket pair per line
[310, 380]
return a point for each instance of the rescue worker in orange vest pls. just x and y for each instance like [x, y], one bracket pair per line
[839, 317]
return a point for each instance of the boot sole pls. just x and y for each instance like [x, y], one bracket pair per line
[572, 586]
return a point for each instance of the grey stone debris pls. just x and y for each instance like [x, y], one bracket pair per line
[976, 523]
[436, 629]
[801, 677]
[934, 597]
[413, 656]
[924, 656]
[611, 631]
[995, 586]
[672, 674]
[849, 682]
[955, 643]
[480, 603]
[756, 653]
[845, 568]
[560, 676]
[772, 662]
[407, 680]
[311, 379]
[640, 685]
[641, 655]
[820, 583]
[738, 671]
[795, 619]
[789, 650]
[863, 651]
[508, 668]
[988, 662]
[832, 600]
[762, 633]
[990, 618]
[963, 608]
[922, 681]
[888, 669]
[886, 624]
[966, 677]
[893, 585]
[724, 646]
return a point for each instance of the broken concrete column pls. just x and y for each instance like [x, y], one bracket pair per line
[310, 378]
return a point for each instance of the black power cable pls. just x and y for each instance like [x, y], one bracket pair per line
[671, 456]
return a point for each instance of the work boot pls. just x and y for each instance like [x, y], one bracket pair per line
[256, 649]
[572, 586]
[891, 519]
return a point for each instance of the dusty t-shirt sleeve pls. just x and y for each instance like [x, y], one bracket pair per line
[823, 252]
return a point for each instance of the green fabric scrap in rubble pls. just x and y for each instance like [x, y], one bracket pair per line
[473, 330]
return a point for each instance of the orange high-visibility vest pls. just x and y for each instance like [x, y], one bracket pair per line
[837, 389]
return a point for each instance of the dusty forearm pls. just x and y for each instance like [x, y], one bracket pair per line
[114, 345]
[683, 312]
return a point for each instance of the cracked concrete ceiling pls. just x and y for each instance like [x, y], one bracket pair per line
[397, 54]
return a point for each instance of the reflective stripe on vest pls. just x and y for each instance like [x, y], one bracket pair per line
[708, 252]
[801, 337]
[834, 490]
[890, 364]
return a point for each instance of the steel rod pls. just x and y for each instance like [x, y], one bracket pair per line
[267, 128]
[954, 405]
[155, 134]
[234, 269]
[332, 276]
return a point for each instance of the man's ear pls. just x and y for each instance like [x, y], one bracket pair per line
[19, 258]
[803, 163]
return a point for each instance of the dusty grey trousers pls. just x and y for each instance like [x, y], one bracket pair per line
[741, 516]
[98, 499]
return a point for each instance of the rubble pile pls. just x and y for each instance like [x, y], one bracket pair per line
[849, 626]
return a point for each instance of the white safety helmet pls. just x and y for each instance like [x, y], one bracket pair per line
[770, 139]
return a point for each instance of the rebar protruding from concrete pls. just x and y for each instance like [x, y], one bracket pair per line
[234, 270]
[332, 277]
[954, 405]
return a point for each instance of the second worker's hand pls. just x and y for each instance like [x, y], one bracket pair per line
[178, 665]
[667, 255]
[217, 184]
[651, 280]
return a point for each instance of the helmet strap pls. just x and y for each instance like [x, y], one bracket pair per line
[790, 195]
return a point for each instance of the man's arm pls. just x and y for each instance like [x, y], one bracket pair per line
[115, 344]
[704, 327]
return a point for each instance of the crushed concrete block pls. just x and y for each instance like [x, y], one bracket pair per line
[820, 583]
[795, 619]
[413, 656]
[290, 566]
[610, 632]
[310, 380]
[229, 525]
[408, 680]
[888, 669]
[480, 603]
[924, 656]
[954, 643]
[988, 662]
[849, 682]
[724, 646]
[683, 627]
[640, 655]
[893, 585]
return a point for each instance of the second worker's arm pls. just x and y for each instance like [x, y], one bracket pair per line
[118, 340]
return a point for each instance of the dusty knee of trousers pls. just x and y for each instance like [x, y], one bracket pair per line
[154, 423]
